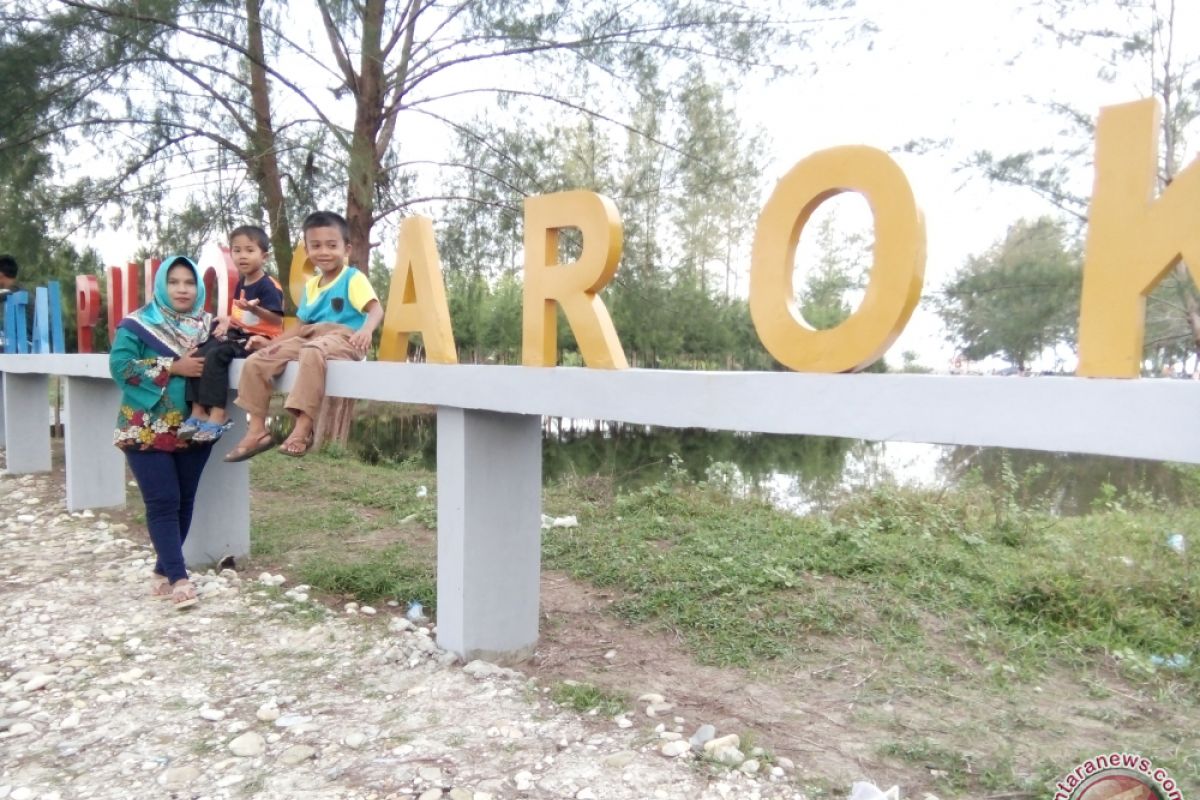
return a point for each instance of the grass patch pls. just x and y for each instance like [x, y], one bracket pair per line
[585, 698]
[389, 574]
[743, 582]
[366, 536]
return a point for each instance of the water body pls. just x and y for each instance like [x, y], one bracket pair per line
[801, 474]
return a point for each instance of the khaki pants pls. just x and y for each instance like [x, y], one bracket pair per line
[312, 347]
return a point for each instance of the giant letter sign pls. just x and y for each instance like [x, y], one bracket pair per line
[573, 286]
[39, 338]
[151, 265]
[16, 337]
[1133, 239]
[87, 310]
[122, 286]
[301, 270]
[417, 299]
[220, 278]
[899, 263]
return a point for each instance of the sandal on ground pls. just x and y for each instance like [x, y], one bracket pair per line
[211, 431]
[183, 594]
[296, 447]
[243, 452]
[160, 587]
[189, 428]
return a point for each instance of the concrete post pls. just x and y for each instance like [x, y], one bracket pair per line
[489, 533]
[2, 438]
[27, 422]
[95, 469]
[221, 518]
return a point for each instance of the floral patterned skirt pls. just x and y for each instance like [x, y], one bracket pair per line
[145, 430]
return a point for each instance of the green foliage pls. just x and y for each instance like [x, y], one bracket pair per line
[742, 582]
[911, 364]
[1144, 46]
[1018, 299]
[586, 698]
[392, 573]
[838, 271]
[687, 213]
[29, 201]
[201, 121]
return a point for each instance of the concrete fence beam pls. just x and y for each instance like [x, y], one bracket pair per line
[489, 446]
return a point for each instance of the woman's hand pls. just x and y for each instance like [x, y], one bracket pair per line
[256, 342]
[222, 327]
[188, 365]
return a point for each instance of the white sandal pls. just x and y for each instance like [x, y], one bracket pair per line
[160, 587]
[183, 594]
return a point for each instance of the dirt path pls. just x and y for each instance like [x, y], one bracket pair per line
[258, 692]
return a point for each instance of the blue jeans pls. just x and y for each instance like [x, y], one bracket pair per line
[168, 482]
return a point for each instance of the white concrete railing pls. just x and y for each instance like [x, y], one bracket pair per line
[489, 446]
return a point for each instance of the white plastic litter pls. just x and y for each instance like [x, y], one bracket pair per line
[863, 790]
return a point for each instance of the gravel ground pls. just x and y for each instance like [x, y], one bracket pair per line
[258, 691]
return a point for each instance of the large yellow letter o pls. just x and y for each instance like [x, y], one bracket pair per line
[896, 274]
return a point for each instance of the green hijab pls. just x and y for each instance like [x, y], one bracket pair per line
[158, 324]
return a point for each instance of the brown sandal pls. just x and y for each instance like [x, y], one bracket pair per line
[244, 452]
[183, 594]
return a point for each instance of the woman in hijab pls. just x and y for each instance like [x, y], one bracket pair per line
[151, 357]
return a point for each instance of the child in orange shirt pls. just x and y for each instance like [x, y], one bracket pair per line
[257, 311]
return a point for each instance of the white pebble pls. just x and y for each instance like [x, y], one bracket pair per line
[248, 745]
[675, 748]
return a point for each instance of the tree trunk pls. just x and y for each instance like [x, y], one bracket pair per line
[334, 421]
[1190, 303]
[368, 119]
[264, 162]
[337, 415]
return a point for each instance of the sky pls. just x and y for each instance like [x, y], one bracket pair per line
[964, 72]
[939, 70]
[978, 74]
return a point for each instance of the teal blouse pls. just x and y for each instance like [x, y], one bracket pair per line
[152, 399]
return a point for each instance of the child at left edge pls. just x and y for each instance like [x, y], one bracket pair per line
[257, 311]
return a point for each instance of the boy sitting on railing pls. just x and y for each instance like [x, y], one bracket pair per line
[338, 314]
